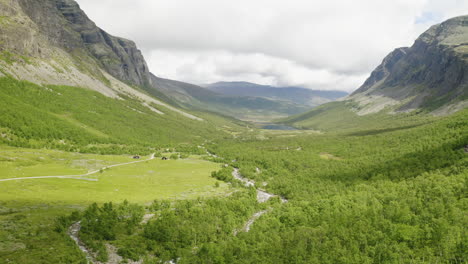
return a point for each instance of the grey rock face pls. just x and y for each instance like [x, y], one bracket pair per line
[433, 72]
[383, 70]
[65, 25]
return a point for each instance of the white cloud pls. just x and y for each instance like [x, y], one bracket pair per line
[328, 44]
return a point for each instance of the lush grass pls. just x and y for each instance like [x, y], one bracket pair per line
[20, 162]
[81, 120]
[29, 208]
[139, 182]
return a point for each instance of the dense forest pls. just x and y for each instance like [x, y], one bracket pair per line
[376, 196]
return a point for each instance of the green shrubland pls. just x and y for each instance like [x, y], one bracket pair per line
[392, 196]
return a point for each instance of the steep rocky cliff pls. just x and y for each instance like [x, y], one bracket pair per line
[65, 25]
[431, 74]
[37, 28]
[54, 42]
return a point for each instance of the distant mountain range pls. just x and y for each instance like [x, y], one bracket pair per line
[247, 101]
[196, 98]
[295, 95]
[245, 107]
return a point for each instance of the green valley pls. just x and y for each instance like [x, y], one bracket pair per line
[101, 161]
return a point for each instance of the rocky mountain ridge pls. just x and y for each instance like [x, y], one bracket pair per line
[53, 42]
[432, 74]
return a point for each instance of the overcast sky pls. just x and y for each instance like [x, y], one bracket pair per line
[326, 44]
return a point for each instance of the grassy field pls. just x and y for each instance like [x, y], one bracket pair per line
[20, 162]
[29, 208]
[139, 182]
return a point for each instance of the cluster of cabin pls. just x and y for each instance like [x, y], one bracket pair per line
[138, 157]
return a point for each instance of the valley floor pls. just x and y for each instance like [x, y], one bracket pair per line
[389, 195]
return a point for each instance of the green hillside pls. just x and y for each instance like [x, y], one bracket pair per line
[343, 117]
[81, 120]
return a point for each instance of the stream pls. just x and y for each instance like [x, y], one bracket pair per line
[262, 197]
[73, 232]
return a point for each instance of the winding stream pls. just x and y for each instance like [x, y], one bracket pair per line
[73, 232]
[262, 197]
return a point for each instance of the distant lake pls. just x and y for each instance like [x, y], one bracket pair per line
[278, 127]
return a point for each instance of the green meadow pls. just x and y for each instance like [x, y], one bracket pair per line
[140, 182]
[29, 208]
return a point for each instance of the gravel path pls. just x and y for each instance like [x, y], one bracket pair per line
[78, 177]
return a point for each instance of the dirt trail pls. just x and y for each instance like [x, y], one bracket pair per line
[78, 177]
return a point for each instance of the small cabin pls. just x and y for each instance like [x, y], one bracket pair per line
[164, 158]
[136, 157]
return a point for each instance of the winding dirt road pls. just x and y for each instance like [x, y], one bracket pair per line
[78, 177]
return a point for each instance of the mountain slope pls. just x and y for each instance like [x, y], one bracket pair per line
[431, 74]
[429, 77]
[65, 25]
[53, 42]
[67, 84]
[193, 97]
[295, 95]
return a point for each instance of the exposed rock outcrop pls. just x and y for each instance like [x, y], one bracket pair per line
[53, 42]
[65, 25]
[431, 74]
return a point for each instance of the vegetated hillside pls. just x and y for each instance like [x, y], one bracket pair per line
[67, 84]
[77, 119]
[429, 77]
[193, 97]
[53, 42]
[297, 95]
[388, 196]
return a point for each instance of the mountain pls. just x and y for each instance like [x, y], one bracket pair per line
[244, 107]
[432, 74]
[429, 77]
[48, 29]
[297, 95]
[65, 83]
[54, 42]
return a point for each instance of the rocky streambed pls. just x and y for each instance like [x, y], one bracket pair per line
[262, 197]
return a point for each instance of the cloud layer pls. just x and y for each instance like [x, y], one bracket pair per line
[332, 44]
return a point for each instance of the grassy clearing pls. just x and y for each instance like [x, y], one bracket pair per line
[140, 182]
[19, 162]
[29, 208]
